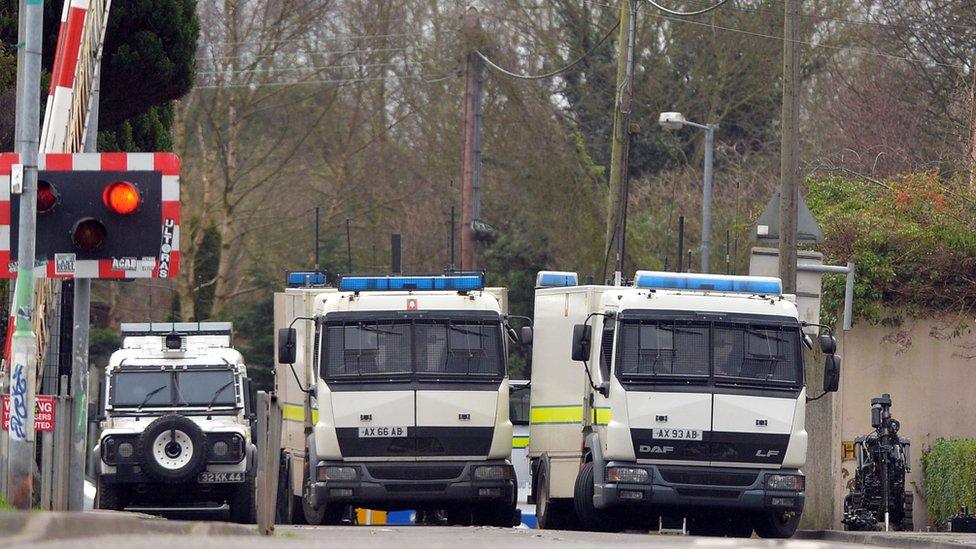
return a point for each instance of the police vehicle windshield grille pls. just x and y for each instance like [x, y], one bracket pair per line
[153, 388]
[662, 350]
[421, 348]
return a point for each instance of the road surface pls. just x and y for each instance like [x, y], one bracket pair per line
[381, 537]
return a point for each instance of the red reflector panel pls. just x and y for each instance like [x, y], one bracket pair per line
[47, 197]
[121, 197]
[88, 234]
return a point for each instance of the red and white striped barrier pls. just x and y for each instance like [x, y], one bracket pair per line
[63, 74]
[167, 263]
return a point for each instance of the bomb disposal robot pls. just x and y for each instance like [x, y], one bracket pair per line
[408, 399]
[680, 397]
[176, 429]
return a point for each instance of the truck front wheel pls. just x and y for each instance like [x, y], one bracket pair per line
[593, 519]
[552, 514]
[776, 524]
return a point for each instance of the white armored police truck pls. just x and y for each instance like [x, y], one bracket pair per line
[679, 398]
[395, 392]
[176, 421]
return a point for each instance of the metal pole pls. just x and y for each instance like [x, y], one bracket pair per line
[707, 199]
[62, 439]
[849, 298]
[681, 242]
[264, 526]
[395, 261]
[316, 239]
[452, 240]
[79, 353]
[23, 366]
[348, 248]
[790, 156]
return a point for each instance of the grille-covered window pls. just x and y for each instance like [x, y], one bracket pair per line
[694, 350]
[663, 349]
[768, 354]
[413, 347]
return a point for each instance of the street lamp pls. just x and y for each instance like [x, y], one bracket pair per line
[674, 121]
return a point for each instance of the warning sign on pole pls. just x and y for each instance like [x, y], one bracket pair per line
[43, 413]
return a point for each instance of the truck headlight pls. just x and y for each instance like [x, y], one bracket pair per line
[786, 482]
[126, 449]
[337, 473]
[634, 475]
[492, 472]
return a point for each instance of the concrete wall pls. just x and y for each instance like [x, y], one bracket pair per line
[931, 377]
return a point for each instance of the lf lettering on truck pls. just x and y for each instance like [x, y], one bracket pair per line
[681, 396]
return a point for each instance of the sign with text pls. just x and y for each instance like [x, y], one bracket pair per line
[43, 413]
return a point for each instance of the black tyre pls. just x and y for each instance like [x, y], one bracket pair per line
[113, 497]
[324, 515]
[173, 449]
[504, 515]
[288, 508]
[908, 513]
[776, 524]
[591, 518]
[242, 509]
[552, 514]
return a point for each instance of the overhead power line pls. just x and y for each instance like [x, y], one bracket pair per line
[549, 74]
[859, 49]
[687, 13]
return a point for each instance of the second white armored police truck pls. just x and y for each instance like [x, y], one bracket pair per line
[176, 425]
[679, 397]
[396, 397]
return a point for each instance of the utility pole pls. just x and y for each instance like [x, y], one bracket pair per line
[972, 143]
[471, 155]
[620, 150]
[23, 367]
[790, 156]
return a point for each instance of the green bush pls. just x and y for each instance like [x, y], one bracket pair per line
[949, 472]
[914, 241]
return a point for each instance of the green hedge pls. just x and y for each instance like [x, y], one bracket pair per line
[949, 470]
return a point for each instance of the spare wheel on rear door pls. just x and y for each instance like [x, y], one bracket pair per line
[173, 449]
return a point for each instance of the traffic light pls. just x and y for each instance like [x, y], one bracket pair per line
[107, 215]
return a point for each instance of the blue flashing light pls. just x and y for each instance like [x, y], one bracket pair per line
[764, 285]
[556, 279]
[298, 279]
[453, 283]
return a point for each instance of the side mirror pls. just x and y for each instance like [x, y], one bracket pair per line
[526, 335]
[248, 399]
[286, 345]
[828, 344]
[831, 373]
[581, 342]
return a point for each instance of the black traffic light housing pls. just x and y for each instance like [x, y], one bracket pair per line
[78, 211]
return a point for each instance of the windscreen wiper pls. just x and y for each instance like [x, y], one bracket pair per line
[465, 331]
[377, 330]
[149, 395]
[217, 392]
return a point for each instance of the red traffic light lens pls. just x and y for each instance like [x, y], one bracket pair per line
[121, 197]
[47, 197]
[88, 234]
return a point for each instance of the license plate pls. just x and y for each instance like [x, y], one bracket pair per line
[678, 434]
[217, 478]
[382, 432]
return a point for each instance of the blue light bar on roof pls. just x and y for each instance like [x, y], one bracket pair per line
[298, 279]
[764, 285]
[555, 279]
[454, 283]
